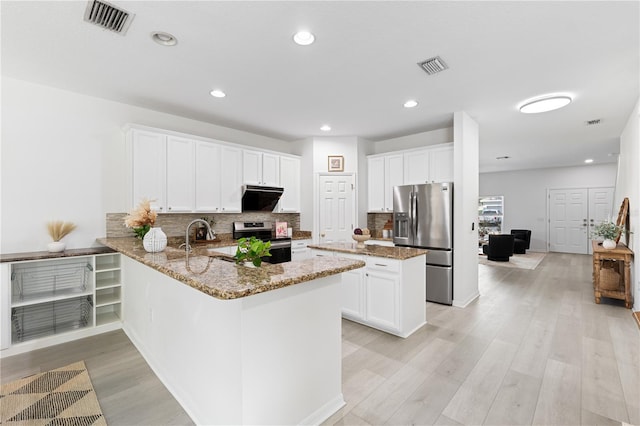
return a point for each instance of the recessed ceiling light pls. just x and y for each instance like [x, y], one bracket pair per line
[164, 39]
[304, 38]
[411, 104]
[544, 104]
[588, 160]
[325, 128]
[218, 93]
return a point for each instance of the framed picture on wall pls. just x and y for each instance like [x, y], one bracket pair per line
[336, 163]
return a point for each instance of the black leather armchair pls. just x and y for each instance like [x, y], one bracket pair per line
[500, 247]
[522, 240]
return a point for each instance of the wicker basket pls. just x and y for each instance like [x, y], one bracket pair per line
[609, 275]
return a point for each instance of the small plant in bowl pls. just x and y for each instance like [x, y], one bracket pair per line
[252, 250]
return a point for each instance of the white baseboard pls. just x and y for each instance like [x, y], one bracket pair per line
[324, 412]
[464, 304]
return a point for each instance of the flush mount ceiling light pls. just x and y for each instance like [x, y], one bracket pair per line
[411, 104]
[544, 104]
[216, 93]
[304, 38]
[165, 39]
[588, 160]
[325, 128]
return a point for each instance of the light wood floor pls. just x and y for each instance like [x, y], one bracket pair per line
[533, 349]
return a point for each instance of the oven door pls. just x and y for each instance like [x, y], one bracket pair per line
[280, 252]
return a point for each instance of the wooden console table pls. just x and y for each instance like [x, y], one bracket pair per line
[620, 253]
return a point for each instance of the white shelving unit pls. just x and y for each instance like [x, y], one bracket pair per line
[108, 289]
[52, 301]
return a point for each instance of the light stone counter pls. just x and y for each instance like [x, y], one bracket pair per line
[400, 253]
[217, 275]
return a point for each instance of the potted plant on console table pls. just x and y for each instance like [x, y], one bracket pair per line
[609, 231]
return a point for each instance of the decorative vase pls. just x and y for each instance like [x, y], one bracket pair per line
[609, 244]
[56, 246]
[155, 240]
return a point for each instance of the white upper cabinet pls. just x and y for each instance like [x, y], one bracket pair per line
[416, 167]
[230, 179]
[393, 176]
[208, 177]
[271, 170]
[252, 167]
[290, 181]
[180, 175]
[261, 168]
[408, 167]
[441, 164]
[218, 178]
[385, 172]
[149, 155]
[376, 184]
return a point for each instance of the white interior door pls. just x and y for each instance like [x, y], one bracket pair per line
[337, 212]
[600, 206]
[568, 212]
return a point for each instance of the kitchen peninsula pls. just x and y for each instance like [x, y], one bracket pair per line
[389, 293]
[235, 344]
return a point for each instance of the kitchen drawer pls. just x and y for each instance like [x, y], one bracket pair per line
[383, 264]
[350, 256]
[321, 253]
[299, 244]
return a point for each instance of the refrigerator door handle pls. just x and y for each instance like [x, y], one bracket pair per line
[415, 216]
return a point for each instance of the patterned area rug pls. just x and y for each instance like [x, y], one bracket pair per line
[64, 397]
[530, 260]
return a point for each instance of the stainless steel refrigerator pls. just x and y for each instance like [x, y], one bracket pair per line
[423, 217]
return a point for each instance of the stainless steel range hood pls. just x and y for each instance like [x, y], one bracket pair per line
[260, 198]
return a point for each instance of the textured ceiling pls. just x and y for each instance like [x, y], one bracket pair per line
[359, 72]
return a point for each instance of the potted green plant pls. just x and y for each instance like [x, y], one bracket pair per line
[608, 231]
[252, 250]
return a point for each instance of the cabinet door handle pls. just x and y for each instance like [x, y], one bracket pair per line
[381, 264]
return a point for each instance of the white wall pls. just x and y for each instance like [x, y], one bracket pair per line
[525, 193]
[628, 185]
[417, 140]
[465, 213]
[304, 148]
[323, 147]
[365, 148]
[63, 158]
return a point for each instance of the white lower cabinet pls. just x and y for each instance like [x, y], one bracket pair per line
[299, 250]
[387, 294]
[53, 301]
[352, 292]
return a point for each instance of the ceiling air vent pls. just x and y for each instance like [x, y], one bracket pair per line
[592, 122]
[107, 16]
[433, 65]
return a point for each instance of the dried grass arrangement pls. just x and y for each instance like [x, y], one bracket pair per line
[141, 219]
[59, 229]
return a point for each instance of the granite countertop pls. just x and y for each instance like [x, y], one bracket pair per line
[400, 253]
[42, 255]
[217, 275]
